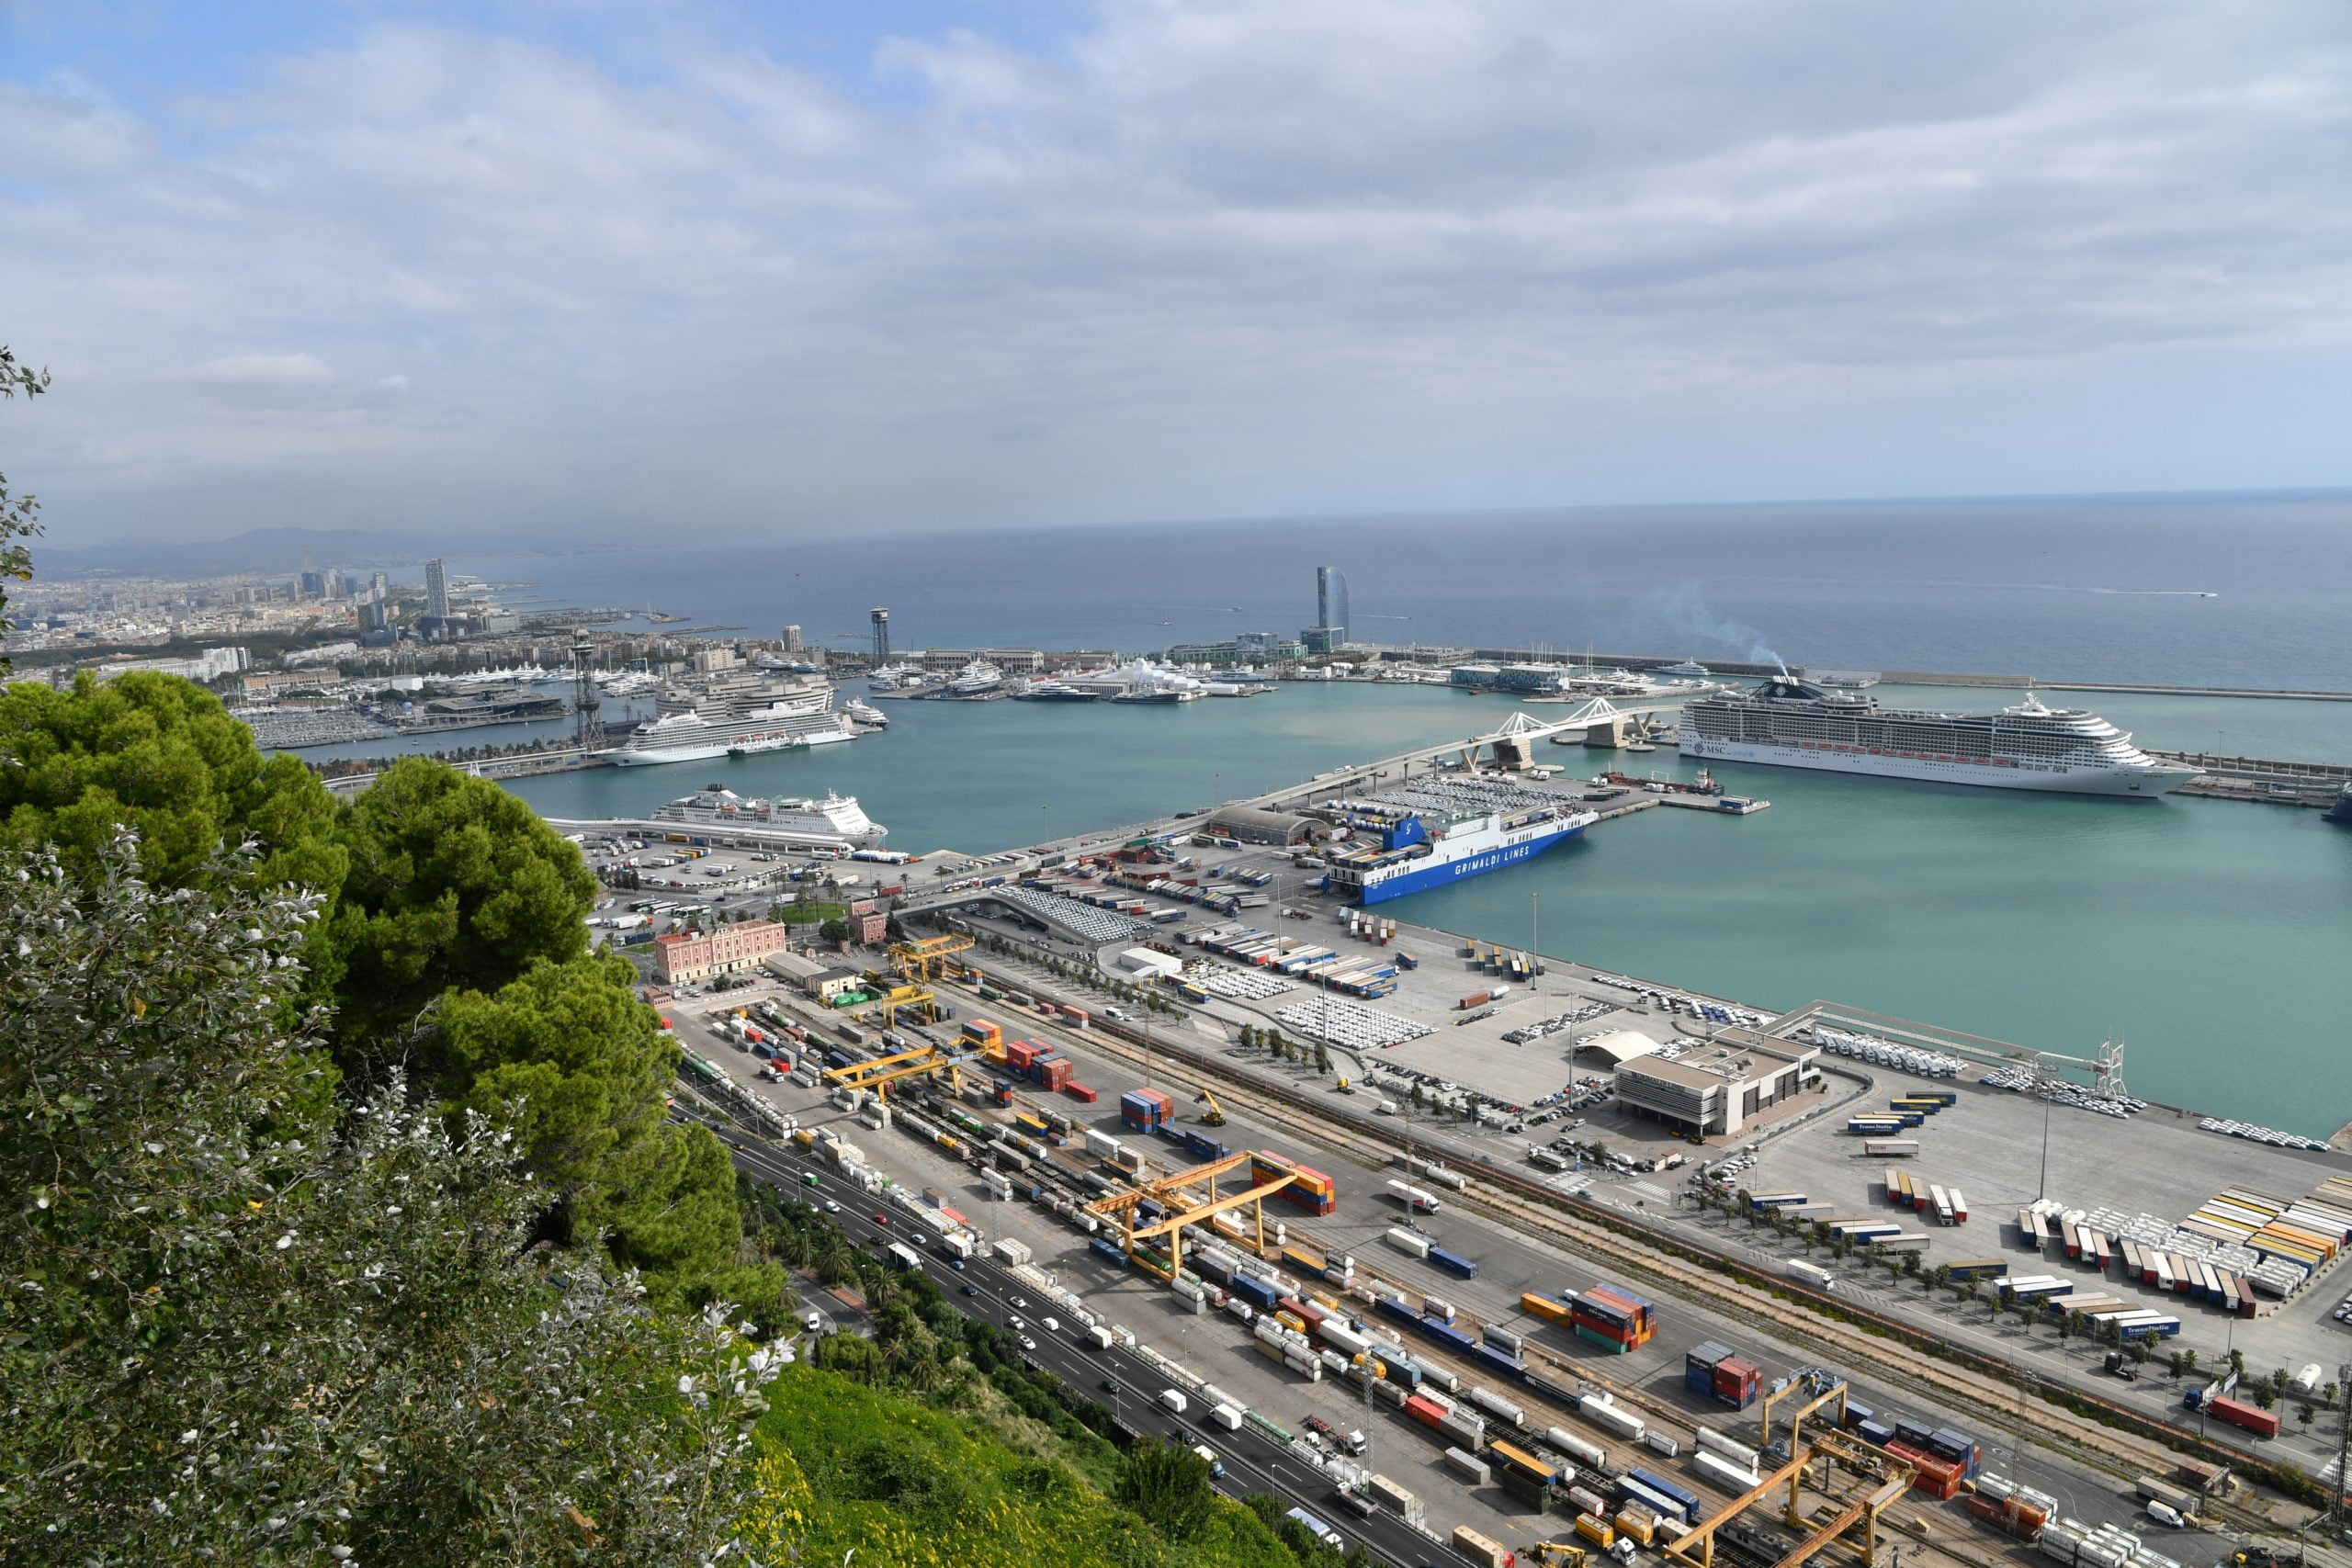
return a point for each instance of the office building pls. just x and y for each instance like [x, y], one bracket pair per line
[437, 590]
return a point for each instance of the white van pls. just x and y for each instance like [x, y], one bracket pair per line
[1173, 1400]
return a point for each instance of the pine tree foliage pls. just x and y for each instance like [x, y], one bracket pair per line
[236, 1330]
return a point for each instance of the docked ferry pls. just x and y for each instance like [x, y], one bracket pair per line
[734, 714]
[1789, 723]
[835, 820]
[1407, 855]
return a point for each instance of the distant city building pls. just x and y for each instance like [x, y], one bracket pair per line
[881, 618]
[371, 615]
[326, 653]
[1249, 647]
[727, 950]
[1331, 603]
[210, 665]
[792, 639]
[437, 590]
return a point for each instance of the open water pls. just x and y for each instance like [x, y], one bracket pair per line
[2214, 937]
[2210, 935]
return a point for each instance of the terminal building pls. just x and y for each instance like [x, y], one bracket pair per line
[1717, 1089]
[689, 956]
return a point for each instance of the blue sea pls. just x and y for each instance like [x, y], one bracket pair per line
[2213, 936]
[2086, 590]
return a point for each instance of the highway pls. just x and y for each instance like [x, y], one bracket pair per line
[1116, 1379]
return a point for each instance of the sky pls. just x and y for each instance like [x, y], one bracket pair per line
[600, 270]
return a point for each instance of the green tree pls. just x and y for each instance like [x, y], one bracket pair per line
[161, 757]
[452, 883]
[569, 1058]
[239, 1332]
[1169, 1486]
[19, 515]
[833, 931]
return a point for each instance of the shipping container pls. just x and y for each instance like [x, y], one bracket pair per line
[1480, 1550]
[1723, 1471]
[1453, 1262]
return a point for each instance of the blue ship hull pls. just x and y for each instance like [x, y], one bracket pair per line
[1447, 874]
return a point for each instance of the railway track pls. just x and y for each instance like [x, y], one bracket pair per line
[1562, 1220]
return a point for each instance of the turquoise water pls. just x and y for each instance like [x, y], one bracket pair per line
[2213, 936]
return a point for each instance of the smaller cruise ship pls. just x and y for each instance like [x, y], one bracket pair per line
[836, 820]
[978, 679]
[865, 714]
[1689, 670]
[1053, 692]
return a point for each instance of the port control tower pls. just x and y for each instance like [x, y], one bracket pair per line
[881, 618]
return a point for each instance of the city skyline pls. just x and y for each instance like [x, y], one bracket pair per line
[926, 267]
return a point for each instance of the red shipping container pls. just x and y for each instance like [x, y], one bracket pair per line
[1935, 1477]
[1020, 1054]
[1736, 1378]
[1078, 1092]
[1424, 1411]
[2263, 1423]
[1616, 1332]
[1056, 1074]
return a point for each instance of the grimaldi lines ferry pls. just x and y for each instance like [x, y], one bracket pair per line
[1789, 723]
[1408, 855]
[734, 712]
[836, 819]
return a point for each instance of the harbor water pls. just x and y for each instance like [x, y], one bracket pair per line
[2209, 934]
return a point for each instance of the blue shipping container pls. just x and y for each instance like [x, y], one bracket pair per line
[1510, 1366]
[1453, 1262]
[1110, 1251]
[1257, 1293]
[1395, 1308]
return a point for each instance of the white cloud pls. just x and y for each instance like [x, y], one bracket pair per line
[264, 370]
[1211, 258]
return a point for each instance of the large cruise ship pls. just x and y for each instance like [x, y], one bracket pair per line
[736, 712]
[1408, 856]
[835, 820]
[1790, 723]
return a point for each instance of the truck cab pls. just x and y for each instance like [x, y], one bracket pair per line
[1209, 1454]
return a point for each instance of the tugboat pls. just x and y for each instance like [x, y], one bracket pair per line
[2341, 812]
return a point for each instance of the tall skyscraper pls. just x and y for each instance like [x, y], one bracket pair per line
[792, 639]
[437, 590]
[1331, 603]
[881, 635]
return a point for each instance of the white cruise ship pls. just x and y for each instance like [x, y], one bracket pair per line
[835, 820]
[1790, 723]
[978, 679]
[734, 712]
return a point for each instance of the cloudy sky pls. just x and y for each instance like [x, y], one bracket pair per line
[587, 267]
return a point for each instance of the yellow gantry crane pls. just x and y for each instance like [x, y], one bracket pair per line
[1696, 1549]
[1836, 1390]
[879, 1073]
[922, 962]
[1188, 1204]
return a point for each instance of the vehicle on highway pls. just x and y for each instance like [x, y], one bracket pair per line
[831, 1207]
[970, 1288]
[1019, 1301]
[1216, 1466]
[1174, 1400]
[881, 1219]
[1027, 1342]
[1051, 1326]
[1109, 1385]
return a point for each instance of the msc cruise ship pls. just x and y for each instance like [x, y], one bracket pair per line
[734, 712]
[1790, 723]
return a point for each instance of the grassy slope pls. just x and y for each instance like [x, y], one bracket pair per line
[842, 1465]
